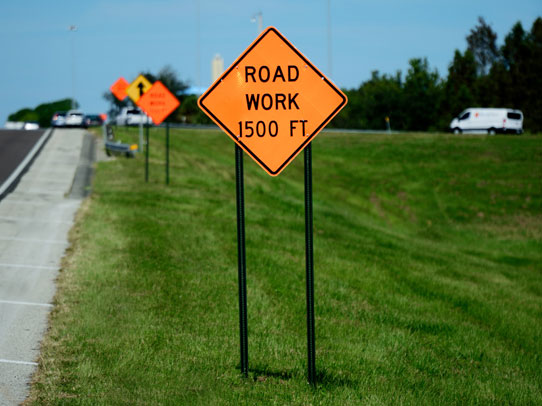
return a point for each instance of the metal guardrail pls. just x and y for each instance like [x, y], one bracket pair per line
[325, 130]
[116, 147]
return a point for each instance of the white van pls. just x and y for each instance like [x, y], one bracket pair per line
[488, 120]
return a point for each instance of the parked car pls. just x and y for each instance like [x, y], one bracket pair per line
[75, 118]
[132, 116]
[93, 120]
[14, 125]
[488, 120]
[58, 119]
[22, 125]
[31, 125]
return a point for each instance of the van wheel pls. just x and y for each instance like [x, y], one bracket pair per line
[491, 131]
[457, 131]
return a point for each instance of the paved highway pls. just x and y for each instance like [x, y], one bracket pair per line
[34, 222]
[14, 146]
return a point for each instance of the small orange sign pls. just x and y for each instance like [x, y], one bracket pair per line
[119, 88]
[272, 101]
[158, 102]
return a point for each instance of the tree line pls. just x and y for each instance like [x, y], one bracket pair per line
[41, 114]
[483, 75]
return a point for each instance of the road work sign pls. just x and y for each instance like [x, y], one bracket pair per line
[138, 88]
[119, 88]
[272, 101]
[158, 102]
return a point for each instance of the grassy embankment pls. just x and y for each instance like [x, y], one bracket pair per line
[427, 274]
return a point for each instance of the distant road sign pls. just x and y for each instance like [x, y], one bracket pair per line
[119, 88]
[272, 101]
[138, 88]
[158, 102]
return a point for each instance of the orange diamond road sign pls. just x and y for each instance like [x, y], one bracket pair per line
[158, 102]
[119, 88]
[138, 88]
[272, 101]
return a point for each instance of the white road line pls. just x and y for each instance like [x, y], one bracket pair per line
[28, 266]
[32, 240]
[58, 203]
[8, 361]
[44, 179]
[18, 202]
[15, 174]
[34, 220]
[26, 303]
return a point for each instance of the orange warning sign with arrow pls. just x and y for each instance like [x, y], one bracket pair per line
[138, 88]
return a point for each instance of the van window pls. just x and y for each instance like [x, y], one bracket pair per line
[134, 111]
[514, 116]
[465, 116]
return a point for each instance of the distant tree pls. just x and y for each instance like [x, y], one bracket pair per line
[46, 110]
[170, 79]
[514, 47]
[350, 116]
[516, 75]
[115, 105]
[370, 104]
[533, 77]
[25, 114]
[422, 93]
[460, 86]
[43, 113]
[482, 42]
[168, 76]
[190, 113]
[382, 97]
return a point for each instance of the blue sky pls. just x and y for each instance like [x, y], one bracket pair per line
[121, 38]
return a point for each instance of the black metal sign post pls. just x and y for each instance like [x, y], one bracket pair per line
[309, 264]
[167, 153]
[241, 259]
[147, 152]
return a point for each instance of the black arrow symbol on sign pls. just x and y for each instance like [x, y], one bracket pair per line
[141, 86]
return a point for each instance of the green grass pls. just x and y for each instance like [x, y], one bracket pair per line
[428, 279]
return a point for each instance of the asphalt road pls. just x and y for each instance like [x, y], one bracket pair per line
[14, 146]
[35, 219]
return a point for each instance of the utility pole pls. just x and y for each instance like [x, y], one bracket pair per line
[73, 29]
[198, 45]
[329, 57]
[258, 17]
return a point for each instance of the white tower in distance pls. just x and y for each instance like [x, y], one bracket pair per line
[217, 67]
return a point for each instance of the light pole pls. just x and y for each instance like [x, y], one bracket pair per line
[198, 45]
[258, 17]
[329, 58]
[73, 29]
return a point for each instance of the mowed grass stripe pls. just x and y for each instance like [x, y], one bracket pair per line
[427, 275]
